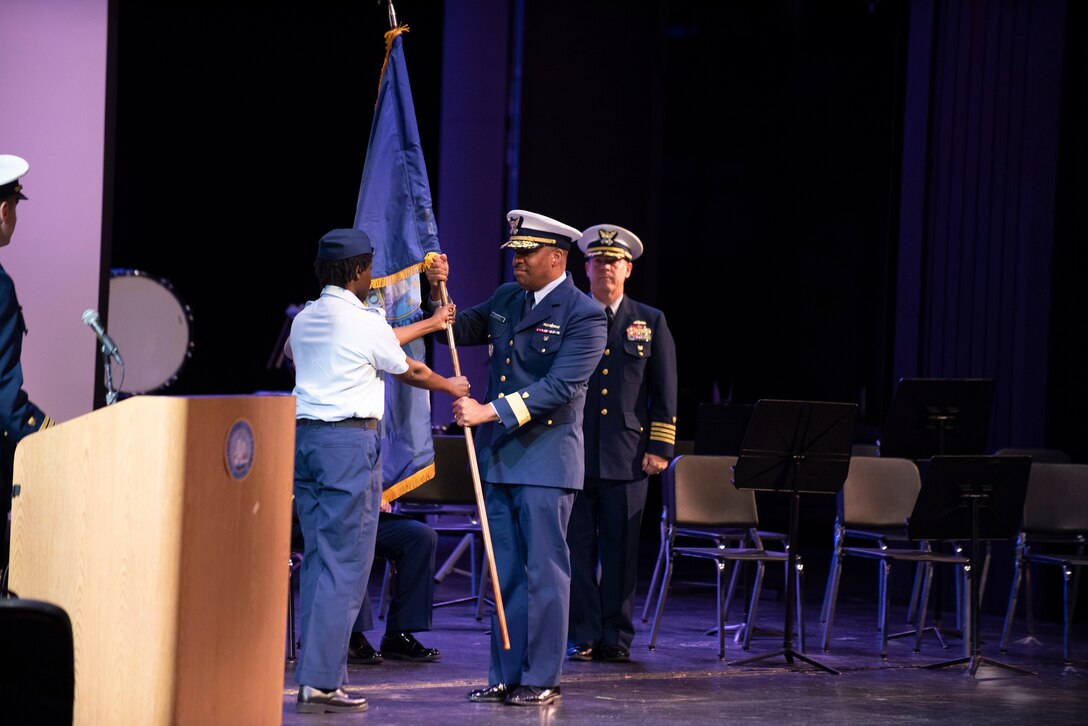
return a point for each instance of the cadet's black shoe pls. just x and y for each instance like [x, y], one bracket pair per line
[615, 653]
[360, 652]
[580, 651]
[534, 696]
[492, 694]
[404, 646]
[315, 700]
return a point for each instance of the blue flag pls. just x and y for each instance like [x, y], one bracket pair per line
[395, 211]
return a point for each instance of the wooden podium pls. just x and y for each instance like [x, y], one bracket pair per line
[162, 526]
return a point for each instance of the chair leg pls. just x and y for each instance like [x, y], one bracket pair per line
[485, 578]
[882, 596]
[293, 563]
[963, 595]
[916, 592]
[800, 606]
[885, 598]
[923, 604]
[657, 572]
[720, 568]
[1014, 592]
[1029, 600]
[963, 611]
[1067, 575]
[836, 554]
[753, 606]
[734, 569]
[386, 595]
[661, 595]
[986, 557]
[830, 596]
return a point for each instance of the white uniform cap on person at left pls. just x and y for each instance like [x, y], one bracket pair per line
[11, 169]
[530, 231]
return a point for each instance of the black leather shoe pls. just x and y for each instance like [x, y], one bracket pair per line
[534, 696]
[314, 700]
[492, 694]
[404, 646]
[615, 653]
[580, 651]
[360, 652]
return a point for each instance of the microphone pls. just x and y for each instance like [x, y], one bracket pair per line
[90, 317]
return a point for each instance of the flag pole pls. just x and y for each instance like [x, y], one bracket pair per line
[485, 531]
[481, 507]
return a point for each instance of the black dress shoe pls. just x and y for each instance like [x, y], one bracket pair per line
[492, 694]
[615, 653]
[360, 652]
[314, 700]
[404, 646]
[534, 696]
[580, 651]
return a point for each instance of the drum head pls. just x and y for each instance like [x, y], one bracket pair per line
[151, 328]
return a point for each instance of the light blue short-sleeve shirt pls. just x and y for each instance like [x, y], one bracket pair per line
[341, 348]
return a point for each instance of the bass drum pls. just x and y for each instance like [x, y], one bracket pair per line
[151, 328]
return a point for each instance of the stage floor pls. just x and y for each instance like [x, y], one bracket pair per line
[683, 680]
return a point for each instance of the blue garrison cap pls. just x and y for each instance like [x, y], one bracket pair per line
[340, 244]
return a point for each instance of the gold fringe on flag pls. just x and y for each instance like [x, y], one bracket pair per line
[401, 488]
[380, 282]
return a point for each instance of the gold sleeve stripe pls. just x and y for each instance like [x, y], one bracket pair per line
[518, 407]
[663, 432]
[49, 421]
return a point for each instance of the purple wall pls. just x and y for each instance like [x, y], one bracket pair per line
[53, 53]
[472, 169]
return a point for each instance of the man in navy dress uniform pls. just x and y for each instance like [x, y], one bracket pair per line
[20, 416]
[630, 432]
[544, 339]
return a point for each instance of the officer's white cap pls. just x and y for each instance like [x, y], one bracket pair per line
[529, 231]
[609, 240]
[11, 169]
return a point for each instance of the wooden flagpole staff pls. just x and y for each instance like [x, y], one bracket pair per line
[485, 531]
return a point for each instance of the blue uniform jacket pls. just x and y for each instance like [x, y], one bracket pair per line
[537, 381]
[631, 400]
[20, 416]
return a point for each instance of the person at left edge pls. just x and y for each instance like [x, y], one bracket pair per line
[20, 416]
[341, 348]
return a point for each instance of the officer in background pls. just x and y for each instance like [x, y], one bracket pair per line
[630, 431]
[20, 416]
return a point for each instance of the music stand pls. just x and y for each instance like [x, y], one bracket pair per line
[975, 497]
[795, 447]
[933, 417]
[937, 416]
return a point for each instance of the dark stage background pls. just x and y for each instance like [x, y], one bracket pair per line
[756, 147]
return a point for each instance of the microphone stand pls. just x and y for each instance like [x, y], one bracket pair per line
[111, 392]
